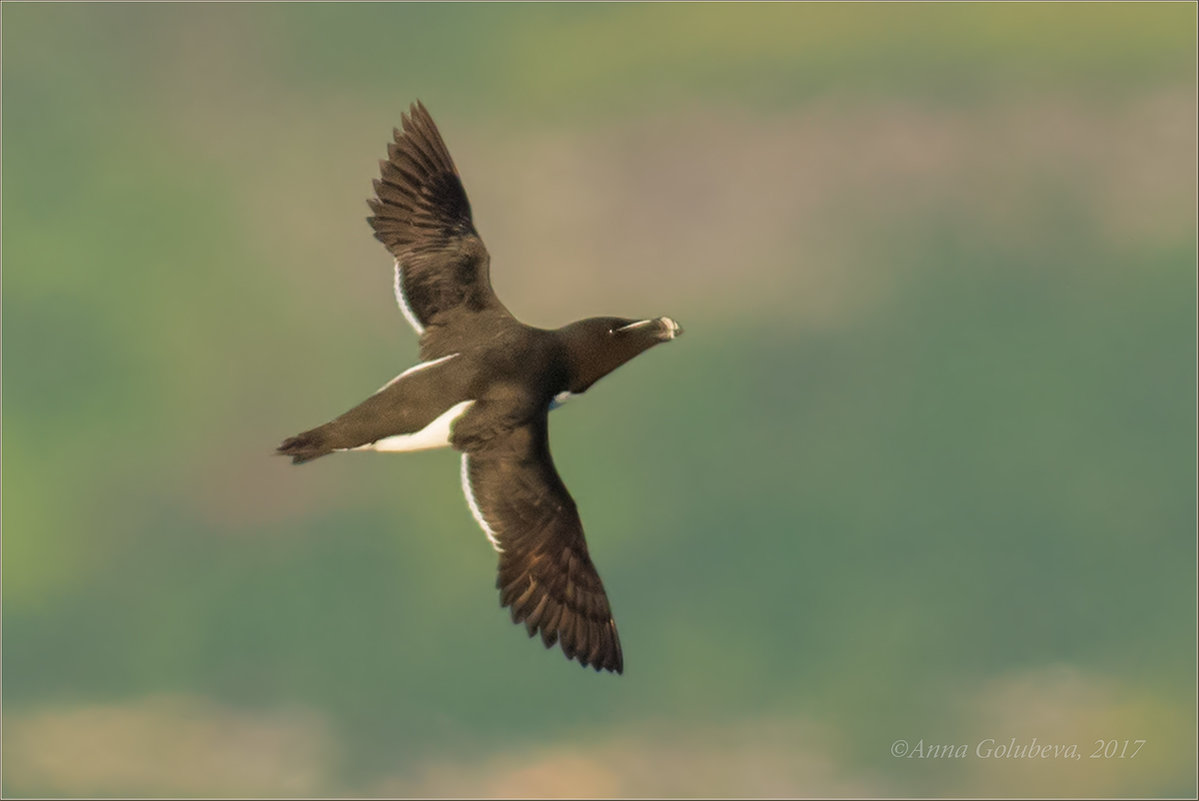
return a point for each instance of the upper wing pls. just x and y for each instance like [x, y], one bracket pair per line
[545, 573]
[423, 217]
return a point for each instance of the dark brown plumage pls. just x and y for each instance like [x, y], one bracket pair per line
[546, 575]
[485, 386]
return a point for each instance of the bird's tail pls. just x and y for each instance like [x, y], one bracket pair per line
[306, 446]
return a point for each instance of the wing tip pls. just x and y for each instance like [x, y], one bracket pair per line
[605, 654]
[588, 642]
[419, 190]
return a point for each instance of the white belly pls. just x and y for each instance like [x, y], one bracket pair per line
[435, 435]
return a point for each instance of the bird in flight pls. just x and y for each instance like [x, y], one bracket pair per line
[485, 385]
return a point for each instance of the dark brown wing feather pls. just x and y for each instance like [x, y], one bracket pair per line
[545, 573]
[422, 215]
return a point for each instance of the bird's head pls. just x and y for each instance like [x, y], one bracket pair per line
[598, 345]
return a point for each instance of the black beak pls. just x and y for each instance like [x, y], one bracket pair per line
[668, 329]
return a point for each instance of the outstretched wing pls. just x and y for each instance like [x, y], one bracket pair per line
[423, 217]
[545, 573]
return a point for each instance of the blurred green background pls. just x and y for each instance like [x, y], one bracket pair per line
[922, 467]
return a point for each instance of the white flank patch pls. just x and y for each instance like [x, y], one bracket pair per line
[435, 435]
[416, 368]
[474, 507]
[402, 300]
[561, 398]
